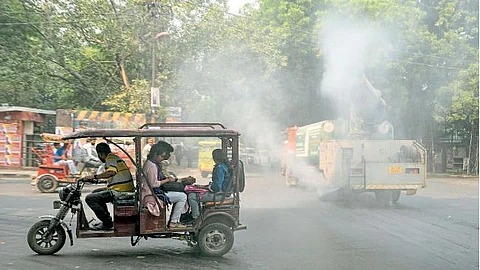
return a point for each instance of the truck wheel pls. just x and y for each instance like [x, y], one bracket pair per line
[395, 196]
[288, 180]
[385, 198]
[215, 239]
[47, 184]
[43, 243]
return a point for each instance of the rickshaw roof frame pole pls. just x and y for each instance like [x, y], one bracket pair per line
[191, 124]
[123, 150]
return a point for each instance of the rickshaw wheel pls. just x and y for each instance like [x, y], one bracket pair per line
[43, 243]
[47, 184]
[215, 239]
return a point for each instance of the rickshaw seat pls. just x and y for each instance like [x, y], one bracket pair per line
[124, 207]
[125, 199]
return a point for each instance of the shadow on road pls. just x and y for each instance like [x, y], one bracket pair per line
[353, 200]
[144, 257]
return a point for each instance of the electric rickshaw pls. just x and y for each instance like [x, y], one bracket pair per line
[212, 232]
[49, 175]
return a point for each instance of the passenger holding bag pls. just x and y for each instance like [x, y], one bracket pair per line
[158, 178]
[179, 184]
[196, 189]
[172, 186]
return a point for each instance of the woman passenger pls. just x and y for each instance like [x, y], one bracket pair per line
[156, 177]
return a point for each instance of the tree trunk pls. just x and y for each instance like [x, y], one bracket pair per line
[123, 72]
[470, 150]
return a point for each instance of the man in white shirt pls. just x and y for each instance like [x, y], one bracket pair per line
[90, 156]
[146, 149]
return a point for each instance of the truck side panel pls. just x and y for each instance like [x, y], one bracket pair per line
[373, 164]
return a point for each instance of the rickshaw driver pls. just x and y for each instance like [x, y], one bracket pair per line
[118, 178]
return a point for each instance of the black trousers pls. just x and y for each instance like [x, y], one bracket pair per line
[97, 200]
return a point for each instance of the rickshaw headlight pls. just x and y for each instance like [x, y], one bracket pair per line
[63, 192]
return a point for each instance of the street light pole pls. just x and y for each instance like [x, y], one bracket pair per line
[154, 99]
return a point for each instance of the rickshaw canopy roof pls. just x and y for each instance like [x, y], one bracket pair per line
[160, 130]
[52, 138]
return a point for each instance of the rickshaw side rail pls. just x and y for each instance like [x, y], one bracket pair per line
[96, 233]
[162, 234]
[170, 132]
[184, 125]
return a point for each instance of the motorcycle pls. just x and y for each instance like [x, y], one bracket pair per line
[47, 236]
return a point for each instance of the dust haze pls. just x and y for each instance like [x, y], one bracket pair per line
[245, 100]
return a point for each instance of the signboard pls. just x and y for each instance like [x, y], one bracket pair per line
[175, 112]
[155, 98]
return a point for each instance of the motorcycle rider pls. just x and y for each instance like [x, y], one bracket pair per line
[90, 156]
[118, 178]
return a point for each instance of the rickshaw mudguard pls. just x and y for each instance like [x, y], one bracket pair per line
[45, 174]
[220, 217]
[64, 225]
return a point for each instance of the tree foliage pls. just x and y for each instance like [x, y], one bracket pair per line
[267, 62]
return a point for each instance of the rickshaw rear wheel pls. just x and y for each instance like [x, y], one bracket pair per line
[45, 243]
[47, 184]
[215, 239]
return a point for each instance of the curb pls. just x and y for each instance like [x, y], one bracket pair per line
[29, 176]
[452, 176]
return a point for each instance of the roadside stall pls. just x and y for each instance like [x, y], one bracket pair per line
[17, 134]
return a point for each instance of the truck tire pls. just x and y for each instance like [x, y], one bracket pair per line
[396, 195]
[386, 198]
[290, 180]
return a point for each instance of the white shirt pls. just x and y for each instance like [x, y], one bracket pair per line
[146, 151]
[89, 152]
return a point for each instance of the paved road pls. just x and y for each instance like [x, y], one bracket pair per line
[288, 228]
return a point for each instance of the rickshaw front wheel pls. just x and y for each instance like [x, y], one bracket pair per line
[43, 242]
[215, 239]
[47, 184]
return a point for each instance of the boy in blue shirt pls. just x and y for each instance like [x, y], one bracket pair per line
[220, 183]
[59, 158]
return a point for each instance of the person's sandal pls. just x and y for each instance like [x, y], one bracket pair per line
[177, 225]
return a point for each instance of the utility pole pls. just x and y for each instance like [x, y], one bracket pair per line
[154, 92]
